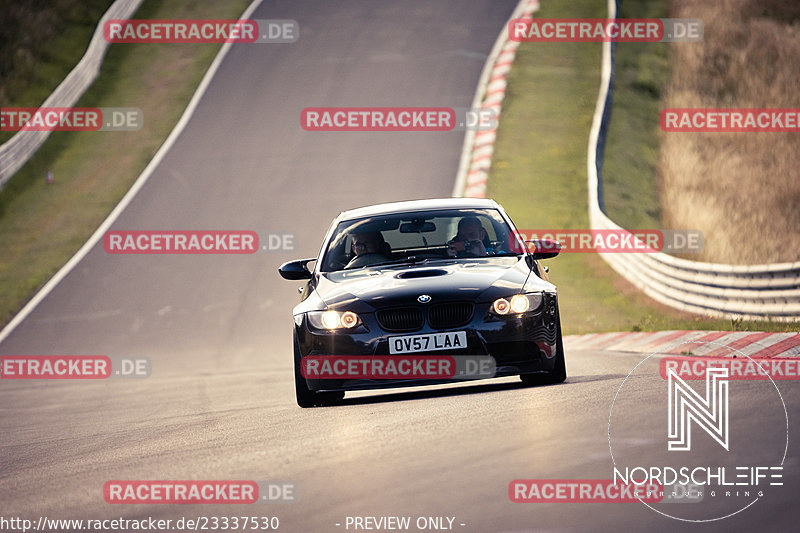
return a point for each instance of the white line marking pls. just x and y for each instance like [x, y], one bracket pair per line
[138, 184]
[463, 165]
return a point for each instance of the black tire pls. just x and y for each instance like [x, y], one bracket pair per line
[329, 398]
[306, 397]
[559, 372]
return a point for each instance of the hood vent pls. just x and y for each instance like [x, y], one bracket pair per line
[426, 273]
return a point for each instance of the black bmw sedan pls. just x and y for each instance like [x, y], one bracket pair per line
[423, 292]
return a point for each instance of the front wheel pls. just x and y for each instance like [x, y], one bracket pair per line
[559, 372]
[306, 397]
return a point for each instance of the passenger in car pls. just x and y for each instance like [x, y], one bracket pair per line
[470, 241]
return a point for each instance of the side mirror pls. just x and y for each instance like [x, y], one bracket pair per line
[298, 269]
[545, 248]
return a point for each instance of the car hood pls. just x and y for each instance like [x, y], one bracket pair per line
[476, 280]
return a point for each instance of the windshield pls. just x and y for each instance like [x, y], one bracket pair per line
[418, 237]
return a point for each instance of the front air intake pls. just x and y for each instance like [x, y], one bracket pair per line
[450, 315]
[400, 319]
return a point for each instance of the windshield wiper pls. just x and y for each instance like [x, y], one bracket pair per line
[504, 254]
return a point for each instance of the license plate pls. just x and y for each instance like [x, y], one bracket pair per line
[452, 340]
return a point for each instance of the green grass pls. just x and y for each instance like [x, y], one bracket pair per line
[41, 225]
[539, 175]
[630, 189]
[539, 171]
[40, 45]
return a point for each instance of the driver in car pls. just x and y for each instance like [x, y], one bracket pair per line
[368, 242]
[469, 241]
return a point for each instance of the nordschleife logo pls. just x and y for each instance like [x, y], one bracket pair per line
[709, 412]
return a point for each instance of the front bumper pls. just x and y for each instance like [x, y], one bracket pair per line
[518, 344]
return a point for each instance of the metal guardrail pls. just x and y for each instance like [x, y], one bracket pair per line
[749, 292]
[15, 152]
[752, 292]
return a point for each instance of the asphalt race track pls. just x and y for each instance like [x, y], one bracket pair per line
[220, 401]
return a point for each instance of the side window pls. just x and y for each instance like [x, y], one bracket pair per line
[498, 236]
[337, 255]
[488, 225]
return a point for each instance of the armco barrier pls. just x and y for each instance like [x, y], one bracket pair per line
[729, 291]
[15, 152]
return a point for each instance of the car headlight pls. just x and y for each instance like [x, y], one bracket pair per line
[517, 304]
[333, 319]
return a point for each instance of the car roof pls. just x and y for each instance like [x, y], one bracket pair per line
[418, 205]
